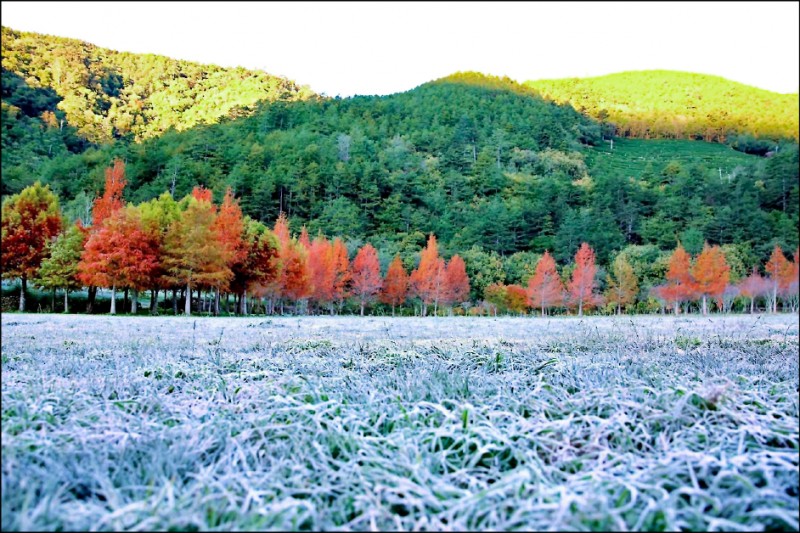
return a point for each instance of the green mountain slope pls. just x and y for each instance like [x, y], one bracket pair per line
[669, 104]
[108, 95]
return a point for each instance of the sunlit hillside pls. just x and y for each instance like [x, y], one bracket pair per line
[670, 104]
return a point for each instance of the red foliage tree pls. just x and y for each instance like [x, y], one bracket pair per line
[752, 287]
[366, 275]
[456, 281]
[30, 220]
[295, 278]
[711, 274]
[545, 289]
[120, 253]
[202, 194]
[395, 285]
[582, 284]
[304, 240]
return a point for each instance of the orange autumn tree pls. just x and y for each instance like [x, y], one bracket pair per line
[104, 206]
[194, 254]
[456, 282]
[545, 289]
[341, 272]
[425, 280]
[111, 200]
[30, 220]
[516, 299]
[120, 253]
[711, 274]
[366, 275]
[582, 284]
[321, 271]
[229, 226]
[680, 284]
[295, 278]
[779, 270]
[395, 285]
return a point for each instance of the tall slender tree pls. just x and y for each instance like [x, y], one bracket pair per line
[456, 282]
[582, 284]
[366, 275]
[778, 268]
[230, 227]
[60, 269]
[711, 274]
[395, 285]
[623, 287]
[545, 289]
[423, 279]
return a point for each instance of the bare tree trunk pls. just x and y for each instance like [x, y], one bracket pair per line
[216, 303]
[53, 301]
[362, 307]
[114, 300]
[153, 301]
[134, 301]
[174, 301]
[187, 307]
[244, 303]
[580, 307]
[705, 305]
[22, 290]
[392, 309]
[66, 300]
[752, 304]
[90, 302]
[125, 301]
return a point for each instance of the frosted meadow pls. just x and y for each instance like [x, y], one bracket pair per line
[613, 423]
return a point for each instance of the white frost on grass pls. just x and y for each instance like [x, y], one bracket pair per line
[645, 423]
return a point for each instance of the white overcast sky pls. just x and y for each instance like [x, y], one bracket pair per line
[382, 48]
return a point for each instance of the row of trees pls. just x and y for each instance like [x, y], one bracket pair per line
[705, 279]
[194, 246]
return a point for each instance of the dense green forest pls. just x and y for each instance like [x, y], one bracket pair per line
[669, 104]
[496, 171]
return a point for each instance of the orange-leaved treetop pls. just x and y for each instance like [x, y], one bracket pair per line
[711, 274]
[545, 289]
[120, 253]
[752, 287]
[295, 279]
[582, 284]
[680, 284]
[456, 282]
[395, 284]
[779, 270]
[193, 251]
[202, 194]
[516, 298]
[341, 271]
[31, 219]
[423, 279]
[321, 271]
[229, 226]
[111, 200]
[304, 239]
[366, 275]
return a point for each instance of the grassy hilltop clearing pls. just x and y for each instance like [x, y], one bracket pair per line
[646, 423]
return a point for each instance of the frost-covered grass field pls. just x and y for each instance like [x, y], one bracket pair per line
[650, 423]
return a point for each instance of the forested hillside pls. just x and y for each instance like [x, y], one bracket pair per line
[498, 173]
[669, 104]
